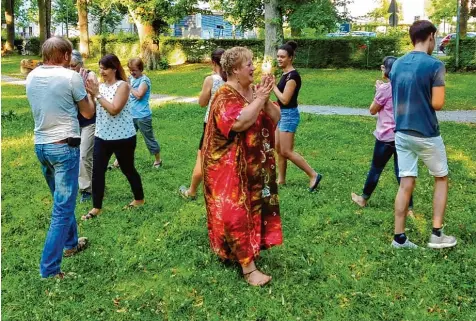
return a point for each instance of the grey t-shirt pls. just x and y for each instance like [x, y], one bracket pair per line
[53, 92]
[413, 76]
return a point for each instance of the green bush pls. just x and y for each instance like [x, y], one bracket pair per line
[345, 52]
[467, 54]
[32, 45]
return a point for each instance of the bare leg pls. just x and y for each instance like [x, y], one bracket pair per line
[157, 159]
[196, 175]
[440, 198]
[407, 184]
[286, 141]
[254, 276]
[282, 162]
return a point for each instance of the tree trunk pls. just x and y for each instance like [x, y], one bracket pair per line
[42, 21]
[83, 27]
[149, 46]
[464, 16]
[10, 21]
[48, 18]
[273, 28]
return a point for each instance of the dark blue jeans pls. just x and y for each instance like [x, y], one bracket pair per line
[383, 151]
[60, 166]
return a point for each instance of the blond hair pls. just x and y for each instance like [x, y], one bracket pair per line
[136, 62]
[54, 48]
[233, 58]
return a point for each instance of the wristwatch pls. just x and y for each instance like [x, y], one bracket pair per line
[98, 97]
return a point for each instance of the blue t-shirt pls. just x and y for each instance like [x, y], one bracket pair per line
[413, 76]
[140, 107]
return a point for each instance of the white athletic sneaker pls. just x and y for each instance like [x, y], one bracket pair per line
[442, 241]
[407, 245]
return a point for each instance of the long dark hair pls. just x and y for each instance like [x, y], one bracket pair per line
[290, 48]
[216, 57]
[388, 63]
[110, 61]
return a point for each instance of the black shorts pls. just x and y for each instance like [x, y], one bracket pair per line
[203, 136]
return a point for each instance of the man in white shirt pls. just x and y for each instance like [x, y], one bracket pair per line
[55, 94]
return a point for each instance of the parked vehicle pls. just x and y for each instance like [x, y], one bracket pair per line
[352, 34]
[450, 36]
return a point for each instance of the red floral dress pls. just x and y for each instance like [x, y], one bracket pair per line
[239, 174]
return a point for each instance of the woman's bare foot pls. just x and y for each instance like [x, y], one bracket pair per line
[91, 214]
[281, 183]
[359, 200]
[256, 278]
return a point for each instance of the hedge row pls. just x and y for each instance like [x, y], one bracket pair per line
[344, 52]
[467, 54]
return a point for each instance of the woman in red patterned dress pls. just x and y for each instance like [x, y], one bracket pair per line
[239, 168]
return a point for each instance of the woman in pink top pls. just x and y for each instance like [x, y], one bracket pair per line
[384, 136]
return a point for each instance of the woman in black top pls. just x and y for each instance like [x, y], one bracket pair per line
[287, 92]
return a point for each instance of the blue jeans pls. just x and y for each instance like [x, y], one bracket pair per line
[60, 166]
[145, 126]
[383, 151]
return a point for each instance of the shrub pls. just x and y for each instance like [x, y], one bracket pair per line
[346, 52]
[467, 54]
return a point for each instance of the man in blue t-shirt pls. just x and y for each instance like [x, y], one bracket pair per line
[418, 89]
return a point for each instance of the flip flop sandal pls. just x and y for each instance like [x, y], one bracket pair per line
[157, 165]
[88, 216]
[184, 193]
[131, 206]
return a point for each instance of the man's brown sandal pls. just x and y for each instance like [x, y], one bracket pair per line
[82, 245]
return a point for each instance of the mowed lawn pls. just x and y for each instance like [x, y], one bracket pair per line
[155, 263]
[329, 87]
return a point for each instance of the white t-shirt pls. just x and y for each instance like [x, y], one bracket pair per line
[53, 92]
[108, 127]
[217, 83]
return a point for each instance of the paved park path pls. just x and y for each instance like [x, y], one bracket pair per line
[460, 116]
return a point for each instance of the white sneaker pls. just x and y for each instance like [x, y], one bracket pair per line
[407, 244]
[441, 242]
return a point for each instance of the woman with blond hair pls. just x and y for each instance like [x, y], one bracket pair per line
[239, 169]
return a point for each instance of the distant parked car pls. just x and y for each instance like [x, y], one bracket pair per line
[363, 34]
[352, 34]
[444, 42]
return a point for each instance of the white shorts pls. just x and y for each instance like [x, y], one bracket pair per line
[431, 150]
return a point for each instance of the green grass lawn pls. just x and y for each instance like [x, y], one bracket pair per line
[155, 263]
[334, 87]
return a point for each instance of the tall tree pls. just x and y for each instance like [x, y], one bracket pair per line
[10, 21]
[48, 18]
[442, 10]
[82, 7]
[42, 20]
[65, 13]
[273, 19]
[464, 16]
[152, 17]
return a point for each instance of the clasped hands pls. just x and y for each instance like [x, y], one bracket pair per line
[265, 87]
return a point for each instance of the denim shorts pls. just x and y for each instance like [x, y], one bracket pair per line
[289, 120]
